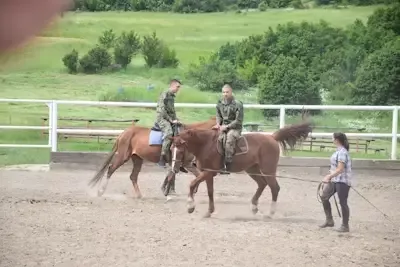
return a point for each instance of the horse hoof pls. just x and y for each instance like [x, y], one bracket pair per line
[254, 209]
[168, 199]
[190, 210]
[167, 190]
[267, 217]
[207, 215]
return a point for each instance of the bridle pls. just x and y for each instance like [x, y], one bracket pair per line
[176, 148]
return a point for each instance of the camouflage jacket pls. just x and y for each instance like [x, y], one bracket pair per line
[166, 106]
[230, 114]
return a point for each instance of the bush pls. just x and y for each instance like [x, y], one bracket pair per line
[297, 4]
[263, 6]
[196, 6]
[168, 58]
[228, 52]
[287, 81]
[386, 18]
[152, 49]
[127, 45]
[95, 60]
[70, 61]
[157, 54]
[278, 3]
[122, 56]
[212, 74]
[107, 40]
[251, 71]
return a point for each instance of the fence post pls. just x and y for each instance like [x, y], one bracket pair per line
[281, 125]
[54, 120]
[282, 117]
[50, 105]
[395, 125]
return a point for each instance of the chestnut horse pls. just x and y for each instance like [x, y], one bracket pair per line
[133, 143]
[255, 153]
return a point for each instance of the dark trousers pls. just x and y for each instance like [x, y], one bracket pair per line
[342, 190]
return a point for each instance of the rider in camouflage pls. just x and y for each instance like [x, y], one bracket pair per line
[229, 122]
[166, 116]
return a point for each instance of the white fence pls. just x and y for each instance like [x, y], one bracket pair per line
[54, 130]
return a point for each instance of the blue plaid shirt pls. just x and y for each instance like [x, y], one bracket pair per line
[341, 155]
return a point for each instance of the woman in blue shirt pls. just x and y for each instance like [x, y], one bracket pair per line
[339, 180]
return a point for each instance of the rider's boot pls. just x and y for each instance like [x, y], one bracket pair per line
[182, 169]
[227, 168]
[162, 161]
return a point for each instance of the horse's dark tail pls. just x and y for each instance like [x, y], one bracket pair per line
[99, 175]
[293, 134]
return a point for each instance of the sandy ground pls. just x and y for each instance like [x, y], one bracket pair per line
[52, 219]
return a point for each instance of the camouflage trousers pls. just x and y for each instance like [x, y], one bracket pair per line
[229, 137]
[167, 131]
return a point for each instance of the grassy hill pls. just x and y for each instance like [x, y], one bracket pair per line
[38, 72]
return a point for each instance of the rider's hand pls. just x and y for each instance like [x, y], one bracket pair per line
[223, 128]
[216, 126]
[175, 121]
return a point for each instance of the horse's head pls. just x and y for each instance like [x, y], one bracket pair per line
[181, 140]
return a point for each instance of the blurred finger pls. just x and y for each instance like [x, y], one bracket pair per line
[20, 20]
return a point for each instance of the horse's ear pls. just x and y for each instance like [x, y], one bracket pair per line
[190, 132]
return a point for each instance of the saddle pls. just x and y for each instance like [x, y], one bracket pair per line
[241, 147]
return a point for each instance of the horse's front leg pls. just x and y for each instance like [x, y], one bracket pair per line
[193, 185]
[210, 191]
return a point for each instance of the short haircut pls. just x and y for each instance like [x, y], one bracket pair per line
[175, 80]
[227, 86]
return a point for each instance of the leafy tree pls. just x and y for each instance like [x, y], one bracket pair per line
[287, 81]
[211, 74]
[378, 81]
[386, 18]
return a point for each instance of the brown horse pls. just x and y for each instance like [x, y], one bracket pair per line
[255, 153]
[133, 143]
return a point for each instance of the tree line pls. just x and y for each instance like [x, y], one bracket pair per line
[202, 6]
[300, 63]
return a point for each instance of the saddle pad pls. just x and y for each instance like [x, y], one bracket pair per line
[155, 138]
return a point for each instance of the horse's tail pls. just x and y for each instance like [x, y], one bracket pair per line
[99, 175]
[292, 134]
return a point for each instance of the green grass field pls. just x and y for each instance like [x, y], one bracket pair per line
[38, 73]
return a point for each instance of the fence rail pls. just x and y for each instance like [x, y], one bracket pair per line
[54, 130]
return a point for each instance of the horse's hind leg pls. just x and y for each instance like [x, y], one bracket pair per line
[275, 188]
[261, 182]
[137, 167]
[118, 161]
